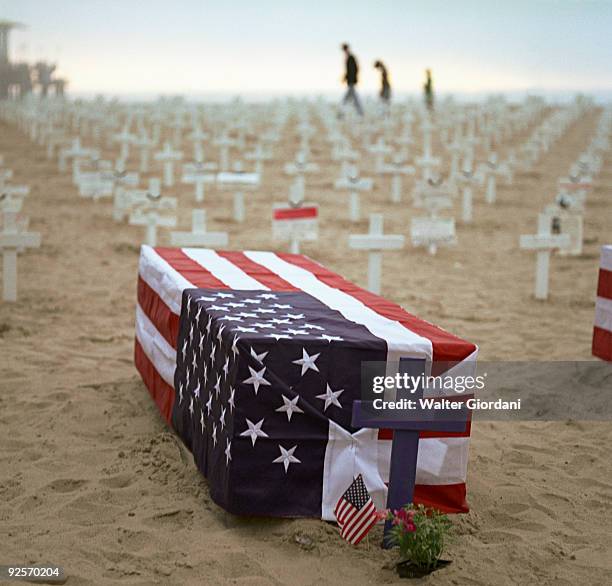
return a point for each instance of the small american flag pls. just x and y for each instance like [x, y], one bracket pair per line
[355, 512]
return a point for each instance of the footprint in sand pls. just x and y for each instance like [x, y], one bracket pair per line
[65, 485]
[133, 540]
[519, 458]
[531, 526]
[513, 508]
[59, 396]
[118, 481]
[90, 509]
[536, 449]
[175, 518]
[499, 537]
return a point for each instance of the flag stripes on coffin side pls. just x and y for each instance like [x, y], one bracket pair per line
[602, 329]
[167, 272]
[355, 512]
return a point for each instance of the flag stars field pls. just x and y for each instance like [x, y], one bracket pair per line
[287, 458]
[254, 430]
[307, 362]
[290, 406]
[331, 397]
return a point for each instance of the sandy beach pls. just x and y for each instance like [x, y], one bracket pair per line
[93, 480]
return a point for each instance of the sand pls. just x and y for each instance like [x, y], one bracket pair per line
[93, 480]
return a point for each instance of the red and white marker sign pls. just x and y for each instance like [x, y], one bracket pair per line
[288, 222]
[295, 224]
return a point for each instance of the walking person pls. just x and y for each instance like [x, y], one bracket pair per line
[428, 92]
[385, 86]
[351, 78]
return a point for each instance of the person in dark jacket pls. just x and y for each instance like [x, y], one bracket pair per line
[385, 86]
[351, 78]
[428, 90]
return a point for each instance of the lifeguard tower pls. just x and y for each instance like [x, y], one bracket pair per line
[17, 79]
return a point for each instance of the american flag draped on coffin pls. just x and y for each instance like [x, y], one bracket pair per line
[254, 358]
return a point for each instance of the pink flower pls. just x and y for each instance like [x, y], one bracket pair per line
[405, 519]
[404, 515]
[382, 514]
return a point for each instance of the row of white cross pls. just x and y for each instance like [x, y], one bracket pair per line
[432, 191]
[14, 237]
[560, 225]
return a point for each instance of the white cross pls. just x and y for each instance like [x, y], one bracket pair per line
[198, 235]
[427, 128]
[565, 219]
[239, 180]
[224, 142]
[199, 174]
[121, 178]
[396, 169]
[297, 191]
[465, 180]
[432, 196]
[144, 143]
[14, 193]
[427, 162]
[95, 184]
[77, 153]
[375, 242]
[530, 152]
[125, 138]
[148, 214]
[491, 170]
[380, 149]
[125, 200]
[168, 156]
[543, 243]
[4, 175]
[89, 159]
[342, 151]
[352, 183]
[432, 232]
[405, 138]
[259, 154]
[197, 137]
[300, 166]
[11, 241]
[455, 148]
[75, 149]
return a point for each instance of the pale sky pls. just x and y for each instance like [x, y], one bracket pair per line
[275, 46]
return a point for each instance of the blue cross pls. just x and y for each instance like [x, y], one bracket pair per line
[405, 445]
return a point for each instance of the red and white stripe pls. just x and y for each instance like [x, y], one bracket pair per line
[355, 524]
[602, 330]
[163, 275]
